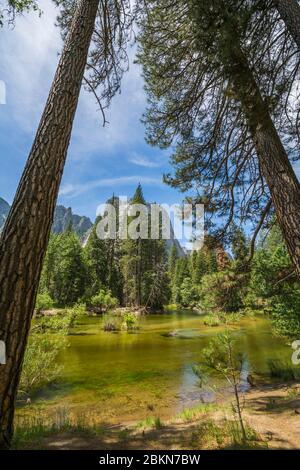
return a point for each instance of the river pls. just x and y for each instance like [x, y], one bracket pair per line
[119, 377]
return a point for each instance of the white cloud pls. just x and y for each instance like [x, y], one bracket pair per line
[123, 130]
[29, 56]
[141, 160]
[28, 62]
[72, 190]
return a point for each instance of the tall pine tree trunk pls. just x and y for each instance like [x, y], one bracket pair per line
[273, 160]
[26, 232]
[289, 11]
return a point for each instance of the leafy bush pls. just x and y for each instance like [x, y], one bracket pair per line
[212, 320]
[60, 323]
[103, 301]
[74, 313]
[170, 308]
[222, 358]
[44, 302]
[130, 321]
[40, 366]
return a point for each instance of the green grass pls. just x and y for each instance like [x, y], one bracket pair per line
[150, 423]
[225, 435]
[32, 429]
[170, 307]
[212, 320]
[293, 394]
[191, 414]
[283, 370]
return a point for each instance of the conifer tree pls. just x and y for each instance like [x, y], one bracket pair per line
[96, 256]
[144, 264]
[9, 9]
[221, 90]
[64, 273]
[200, 267]
[240, 249]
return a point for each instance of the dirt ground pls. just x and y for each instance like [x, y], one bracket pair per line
[272, 411]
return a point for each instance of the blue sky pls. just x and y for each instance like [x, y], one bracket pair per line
[100, 160]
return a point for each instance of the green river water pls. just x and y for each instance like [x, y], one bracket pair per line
[123, 377]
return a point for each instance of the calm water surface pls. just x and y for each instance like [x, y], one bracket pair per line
[122, 376]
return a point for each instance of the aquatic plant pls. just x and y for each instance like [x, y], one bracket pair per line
[130, 321]
[111, 324]
[212, 320]
[283, 370]
[192, 414]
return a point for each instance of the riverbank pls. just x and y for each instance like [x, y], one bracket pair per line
[137, 387]
[270, 411]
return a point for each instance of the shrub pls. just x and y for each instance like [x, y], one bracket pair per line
[222, 358]
[130, 321]
[44, 302]
[55, 324]
[111, 324]
[40, 366]
[75, 313]
[103, 301]
[212, 320]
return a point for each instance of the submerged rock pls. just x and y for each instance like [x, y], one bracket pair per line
[171, 334]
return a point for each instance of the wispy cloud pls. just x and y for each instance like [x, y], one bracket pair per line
[29, 56]
[72, 190]
[124, 128]
[141, 160]
[28, 61]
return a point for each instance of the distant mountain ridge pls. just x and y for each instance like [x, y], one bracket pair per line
[63, 218]
[82, 225]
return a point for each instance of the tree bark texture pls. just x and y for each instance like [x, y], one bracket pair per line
[26, 233]
[289, 11]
